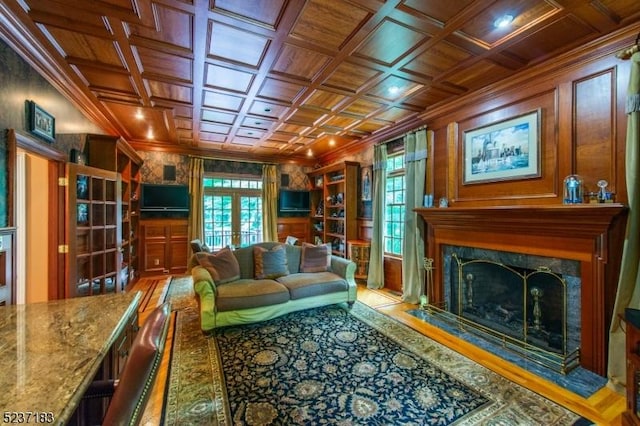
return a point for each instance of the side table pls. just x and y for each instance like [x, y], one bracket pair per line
[358, 251]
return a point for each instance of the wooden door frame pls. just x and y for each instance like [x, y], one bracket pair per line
[55, 215]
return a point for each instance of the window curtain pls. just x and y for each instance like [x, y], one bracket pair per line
[269, 203]
[375, 278]
[415, 163]
[196, 189]
[628, 294]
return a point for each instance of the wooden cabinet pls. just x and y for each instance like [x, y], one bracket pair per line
[632, 319]
[91, 411]
[164, 246]
[115, 154]
[297, 227]
[93, 231]
[334, 205]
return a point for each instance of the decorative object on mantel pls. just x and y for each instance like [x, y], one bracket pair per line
[428, 200]
[444, 202]
[604, 196]
[572, 190]
[40, 122]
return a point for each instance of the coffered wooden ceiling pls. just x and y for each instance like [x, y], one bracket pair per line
[276, 79]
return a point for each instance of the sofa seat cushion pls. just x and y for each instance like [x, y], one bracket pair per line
[248, 293]
[307, 284]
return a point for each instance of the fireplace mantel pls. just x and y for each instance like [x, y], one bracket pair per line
[590, 233]
[584, 220]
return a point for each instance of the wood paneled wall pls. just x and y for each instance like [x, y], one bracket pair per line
[581, 99]
[582, 130]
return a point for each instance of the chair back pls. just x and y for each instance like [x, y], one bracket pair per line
[140, 370]
[196, 245]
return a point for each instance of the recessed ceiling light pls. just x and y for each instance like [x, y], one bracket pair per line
[332, 142]
[309, 153]
[150, 133]
[394, 90]
[503, 21]
[267, 109]
[139, 115]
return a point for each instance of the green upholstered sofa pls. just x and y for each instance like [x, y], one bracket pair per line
[249, 300]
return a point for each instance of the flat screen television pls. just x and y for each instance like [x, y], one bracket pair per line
[292, 201]
[160, 197]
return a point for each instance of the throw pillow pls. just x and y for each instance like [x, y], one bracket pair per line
[315, 258]
[222, 265]
[270, 263]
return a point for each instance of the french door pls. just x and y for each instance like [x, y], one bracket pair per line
[232, 218]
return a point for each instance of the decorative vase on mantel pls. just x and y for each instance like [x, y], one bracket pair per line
[573, 187]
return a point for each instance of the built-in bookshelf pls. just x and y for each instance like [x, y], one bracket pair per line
[334, 205]
[115, 154]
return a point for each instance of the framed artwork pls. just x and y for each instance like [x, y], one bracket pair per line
[41, 123]
[506, 150]
[366, 181]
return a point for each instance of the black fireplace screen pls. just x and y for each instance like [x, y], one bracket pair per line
[528, 305]
[525, 304]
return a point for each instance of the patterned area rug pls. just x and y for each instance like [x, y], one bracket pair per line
[335, 366]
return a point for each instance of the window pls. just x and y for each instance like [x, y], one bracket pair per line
[394, 205]
[232, 211]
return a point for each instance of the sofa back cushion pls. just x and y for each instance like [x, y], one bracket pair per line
[270, 263]
[222, 265]
[315, 258]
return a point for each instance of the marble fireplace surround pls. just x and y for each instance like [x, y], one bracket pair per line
[592, 234]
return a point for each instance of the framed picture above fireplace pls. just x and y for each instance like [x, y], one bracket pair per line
[505, 150]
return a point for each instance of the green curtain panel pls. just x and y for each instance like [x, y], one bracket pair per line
[628, 289]
[269, 203]
[375, 278]
[196, 189]
[415, 161]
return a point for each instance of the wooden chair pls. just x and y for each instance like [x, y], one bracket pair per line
[130, 393]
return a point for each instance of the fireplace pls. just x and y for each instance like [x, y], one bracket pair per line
[540, 280]
[527, 304]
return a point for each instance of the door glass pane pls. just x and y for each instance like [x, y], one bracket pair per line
[218, 221]
[250, 220]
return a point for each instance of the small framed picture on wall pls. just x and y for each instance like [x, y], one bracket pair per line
[366, 182]
[41, 123]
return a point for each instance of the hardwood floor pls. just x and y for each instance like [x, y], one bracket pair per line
[604, 407]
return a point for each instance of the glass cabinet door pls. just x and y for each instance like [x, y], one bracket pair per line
[94, 237]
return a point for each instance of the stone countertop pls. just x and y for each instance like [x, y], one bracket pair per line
[51, 351]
